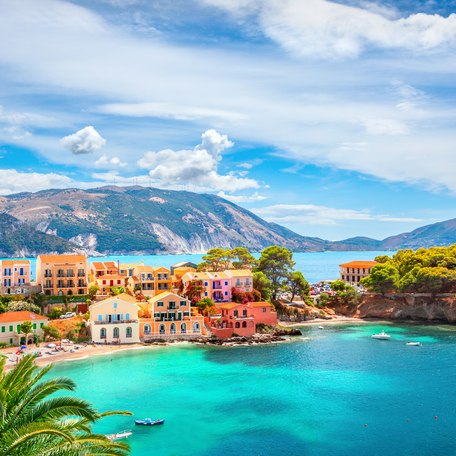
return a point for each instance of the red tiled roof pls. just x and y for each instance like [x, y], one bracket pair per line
[22, 315]
[359, 264]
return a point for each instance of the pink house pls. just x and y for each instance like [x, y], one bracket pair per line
[217, 285]
[241, 319]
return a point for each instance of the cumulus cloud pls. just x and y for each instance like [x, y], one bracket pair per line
[84, 141]
[321, 215]
[326, 29]
[242, 198]
[105, 162]
[197, 166]
[13, 181]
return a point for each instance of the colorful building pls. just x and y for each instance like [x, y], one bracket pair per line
[15, 278]
[115, 320]
[10, 326]
[215, 285]
[150, 280]
[170, 315]
[62, 274]
[233, 318]
[241, 279]
[354, 271]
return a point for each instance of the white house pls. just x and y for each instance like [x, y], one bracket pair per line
[115, 320]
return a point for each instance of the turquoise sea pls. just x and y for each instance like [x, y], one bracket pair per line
[332, 392]
[316, 266]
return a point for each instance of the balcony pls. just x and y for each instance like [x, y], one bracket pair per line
[47, 285]
[216, 287]
[116, 322]
[81, 274]
[48, 275]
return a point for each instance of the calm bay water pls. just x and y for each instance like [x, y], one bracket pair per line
[334, 391]
[315, 266]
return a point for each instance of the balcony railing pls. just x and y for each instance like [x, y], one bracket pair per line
[116, 322]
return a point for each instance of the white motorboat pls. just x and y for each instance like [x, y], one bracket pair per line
[413, 344]
[382, 336]
[320, 327]
[119, 435]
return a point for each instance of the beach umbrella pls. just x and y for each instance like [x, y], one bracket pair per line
[23, 347]
[51, 345]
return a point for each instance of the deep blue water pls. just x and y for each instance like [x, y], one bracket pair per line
[333, 392]
[315, 266]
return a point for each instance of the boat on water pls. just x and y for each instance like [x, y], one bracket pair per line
[320, 327]
[149, 422]
[119, 435]
[381, 336]
[413, 344]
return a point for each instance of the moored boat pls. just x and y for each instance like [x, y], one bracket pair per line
[149, 422]
[413, 344]
[382, 336]
[119, 435]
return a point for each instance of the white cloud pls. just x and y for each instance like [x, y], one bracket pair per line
[330, 30]
[242, 198]
[197, 167]
[84, 141]
[321, 215]
[12, 181]
[105, 162]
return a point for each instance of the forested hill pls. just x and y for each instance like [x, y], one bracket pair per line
[137, 220]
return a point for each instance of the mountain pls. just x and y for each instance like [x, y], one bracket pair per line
[138, 220]
[441, 233]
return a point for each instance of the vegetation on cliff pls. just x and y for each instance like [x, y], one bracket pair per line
[430, 270]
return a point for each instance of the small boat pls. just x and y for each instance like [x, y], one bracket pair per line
[320, 327]
[149, 422]
[381, 336]
[413, 344]
[119, 435]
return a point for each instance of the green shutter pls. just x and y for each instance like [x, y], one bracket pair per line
[3, 329]
[41, 325]
[10, 328]
[18, 327]
[34, 325]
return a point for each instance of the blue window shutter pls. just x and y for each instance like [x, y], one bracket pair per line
[127, 317]
[100, 317]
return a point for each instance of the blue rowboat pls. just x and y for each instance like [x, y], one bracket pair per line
[149, 422]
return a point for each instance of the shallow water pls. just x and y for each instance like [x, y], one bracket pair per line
[334, 391]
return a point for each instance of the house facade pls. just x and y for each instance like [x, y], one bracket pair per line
[150, 280]
[115, 320]
[352, 272]
[10, 326]
[241, 279]
[170, 315]
[15, 278]
[62, 274]
[215, 285]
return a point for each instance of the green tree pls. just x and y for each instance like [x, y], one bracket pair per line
[117, 291]
[93, 290]
[382, 259]
[206, 306]
[382, 279]
[339, 286]
[276, 263]
[33, 423]
[217, 259]
[298, 285]
[242, 258]
[262, 284]
[51, 331]
[26, 329]
[22, 305]
[55, 312]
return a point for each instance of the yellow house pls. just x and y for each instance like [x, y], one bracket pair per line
[241, 279]
[115, 320]
[150, 280]
[171, 315]
[10, 326]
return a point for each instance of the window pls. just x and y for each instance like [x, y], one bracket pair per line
[41, 325]
[183, 328]
[10, 329]
[3, 329]
[18, 328]
[196, 327]
[226, 284]
[21, 271]
[205, 293]
[127, 316]
[162, 329]
[129, 332]
[34, 325]
[172, 305]
[264, 309]
[100, 317]
[102, 333]
[116, 333]
[172, 328]
[160, 304]
[186, 314]
[205, 284]
[235, 313]
[183, 303]
[244, 313]
[226, 293]
[146, 329]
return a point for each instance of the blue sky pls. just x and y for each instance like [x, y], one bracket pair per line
[335, 119]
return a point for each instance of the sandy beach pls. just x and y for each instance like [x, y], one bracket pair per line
[67, 354]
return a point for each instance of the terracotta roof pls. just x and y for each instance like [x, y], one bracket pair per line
[63, 258]
[160, 268]
[260, 304]
[228, 305]
[22, 315]
[163, 294]
[239, 272]
[14, 262]
[98, 265]
[110, 276]
[142, 268]
[359, 264]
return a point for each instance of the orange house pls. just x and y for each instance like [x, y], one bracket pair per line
[62, 274]
[354, 271]
[15, 278]
[150, 280]
[170, 315]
